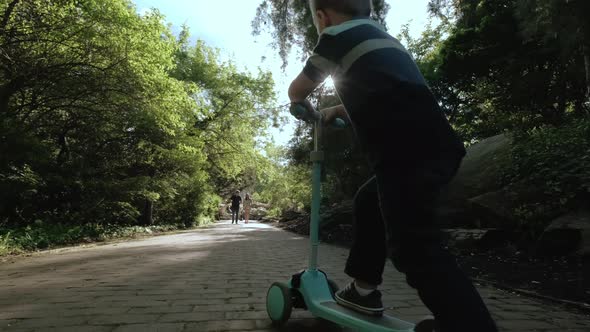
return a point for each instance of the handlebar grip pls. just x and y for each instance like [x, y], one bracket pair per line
[339, 123]
[301, 112]
[298, 110]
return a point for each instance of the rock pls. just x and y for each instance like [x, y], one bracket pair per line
[289, 215]
[481, 168]
[223, 212]
[565, 235]
[336, 223]
[460, 237]
[497, 208]
[257, 204]
[476, 238]
[491, 209]
[479, 174]
[257, 213]
[338, 214]
[495, 238]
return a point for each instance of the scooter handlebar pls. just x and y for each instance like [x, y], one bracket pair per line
[301, 112]
[339, 123]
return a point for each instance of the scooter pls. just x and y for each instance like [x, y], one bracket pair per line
[311, 289]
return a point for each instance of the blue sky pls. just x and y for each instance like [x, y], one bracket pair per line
[226, 25]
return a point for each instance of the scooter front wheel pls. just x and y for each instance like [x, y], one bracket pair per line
[279, 303]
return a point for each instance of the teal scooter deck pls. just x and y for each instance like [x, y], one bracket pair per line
[315, 290]
[383, 323]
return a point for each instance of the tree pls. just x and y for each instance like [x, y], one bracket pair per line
[237, 108]
[505, 69]
[522, 66]
[290, 23]
[561, 22]
[81, 83]
[107, 117]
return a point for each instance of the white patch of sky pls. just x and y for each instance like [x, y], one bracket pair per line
[227, 25]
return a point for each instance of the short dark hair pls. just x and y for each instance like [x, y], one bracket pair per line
[349, 7]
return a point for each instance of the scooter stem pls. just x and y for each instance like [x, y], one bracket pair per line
[317, 157]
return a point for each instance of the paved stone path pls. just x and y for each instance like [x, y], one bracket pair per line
[212, 279]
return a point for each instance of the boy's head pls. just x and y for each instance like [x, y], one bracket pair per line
[332, 12]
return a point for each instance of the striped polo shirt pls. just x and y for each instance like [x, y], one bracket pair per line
[394, 113]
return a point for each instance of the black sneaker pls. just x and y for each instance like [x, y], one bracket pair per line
[427, 324]
[369, 305]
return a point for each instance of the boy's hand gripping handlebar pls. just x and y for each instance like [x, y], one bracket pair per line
[301, 112]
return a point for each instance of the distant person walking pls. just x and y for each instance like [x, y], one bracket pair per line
[236, 199]
[247, 205]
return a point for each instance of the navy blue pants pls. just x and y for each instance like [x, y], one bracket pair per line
[235, 214]
[395, 217]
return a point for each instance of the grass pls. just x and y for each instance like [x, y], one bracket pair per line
[40, 236]
[5, 244]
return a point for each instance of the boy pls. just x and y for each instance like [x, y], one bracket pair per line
[413, 152]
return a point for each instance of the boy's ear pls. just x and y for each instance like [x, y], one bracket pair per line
[319, 13]
[324, 17]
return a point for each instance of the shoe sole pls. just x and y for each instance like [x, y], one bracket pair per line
[358, 308]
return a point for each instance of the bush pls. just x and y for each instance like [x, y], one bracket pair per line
[5, 245]
[555, 161]
[39, 236]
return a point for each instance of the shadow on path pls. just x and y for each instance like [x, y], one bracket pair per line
[215, 278]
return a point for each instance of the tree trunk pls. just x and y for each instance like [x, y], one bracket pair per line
[7, 14]
[148, 213]
[7, 91]
[64, 150]
[6, 94]
[587, 67]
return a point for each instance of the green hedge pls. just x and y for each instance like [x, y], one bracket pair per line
[555, 161]
[40, 235]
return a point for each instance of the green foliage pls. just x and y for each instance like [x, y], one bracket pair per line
[283, 186]
[235, 108]
[556, 162]
[39, 236]
[5, 244]
[520, 66]
[290, 24]
[107, 118]
[504, 69]
[344, 169]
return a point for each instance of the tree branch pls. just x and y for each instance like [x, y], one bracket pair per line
[8, 13]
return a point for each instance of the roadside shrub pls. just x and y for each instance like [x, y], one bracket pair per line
[555, 161]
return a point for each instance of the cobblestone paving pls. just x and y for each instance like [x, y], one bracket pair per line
[211, 279]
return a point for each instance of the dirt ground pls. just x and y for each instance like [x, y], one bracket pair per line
[566, 278]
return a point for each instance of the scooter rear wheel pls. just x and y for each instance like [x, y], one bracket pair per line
[279, 303]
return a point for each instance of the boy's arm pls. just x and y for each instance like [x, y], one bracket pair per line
[301, 88]
[316, 70]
